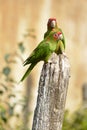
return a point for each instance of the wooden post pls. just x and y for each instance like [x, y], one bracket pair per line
[52, 93]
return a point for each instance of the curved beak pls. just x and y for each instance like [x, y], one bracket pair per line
[53, 23]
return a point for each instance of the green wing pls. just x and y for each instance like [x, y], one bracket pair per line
[40, 53]
[46, 34]
[63, 38]
[60, 47]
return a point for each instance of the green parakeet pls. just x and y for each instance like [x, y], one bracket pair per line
[52, 26]
[42, 52]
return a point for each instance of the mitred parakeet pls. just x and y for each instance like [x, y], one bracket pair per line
[52, 26]
[42, 52]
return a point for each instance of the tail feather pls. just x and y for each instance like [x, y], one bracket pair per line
[28, 61]
[28, 71]
[25, 62]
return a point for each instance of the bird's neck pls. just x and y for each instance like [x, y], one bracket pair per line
[49, 28]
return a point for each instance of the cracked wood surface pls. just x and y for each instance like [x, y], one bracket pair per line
[52, 93]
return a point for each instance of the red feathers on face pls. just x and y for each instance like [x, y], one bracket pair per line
[50, 20]
[59, 33]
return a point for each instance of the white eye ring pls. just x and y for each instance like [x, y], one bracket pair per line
[56, 36]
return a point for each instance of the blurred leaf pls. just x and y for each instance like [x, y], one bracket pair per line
[6, 71]
[31, 30]
[11, 95]
[4, 86]
[1, 92]
[3, 114]
[77, 121]
[9, 58]
[21, 47]
[6, 57]
[1, 127]
[17, 115]
[11, 80]
[31, 35]
[11, 111]
[3, 117]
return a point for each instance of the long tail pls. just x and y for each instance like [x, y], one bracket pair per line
[28, 71]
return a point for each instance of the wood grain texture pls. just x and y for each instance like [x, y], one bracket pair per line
[52, 93]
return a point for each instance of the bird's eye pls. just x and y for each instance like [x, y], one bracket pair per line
[56, 36]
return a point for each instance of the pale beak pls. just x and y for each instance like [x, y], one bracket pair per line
[53, 23]
[60, 36]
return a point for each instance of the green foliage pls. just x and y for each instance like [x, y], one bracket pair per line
[1, 92]
[3, 114]
[21, 47]
[6, 57]
[77, 121]
[66, 122]
[6, 71]
[7, 86]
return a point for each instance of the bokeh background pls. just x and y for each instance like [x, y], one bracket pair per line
[22, 26]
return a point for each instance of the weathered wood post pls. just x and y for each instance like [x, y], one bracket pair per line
[52, 93]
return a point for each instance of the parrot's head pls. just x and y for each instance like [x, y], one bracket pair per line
[58, 36]
[52, 23]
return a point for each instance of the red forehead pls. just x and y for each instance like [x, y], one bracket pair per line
[59, 33]
[51, 19]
